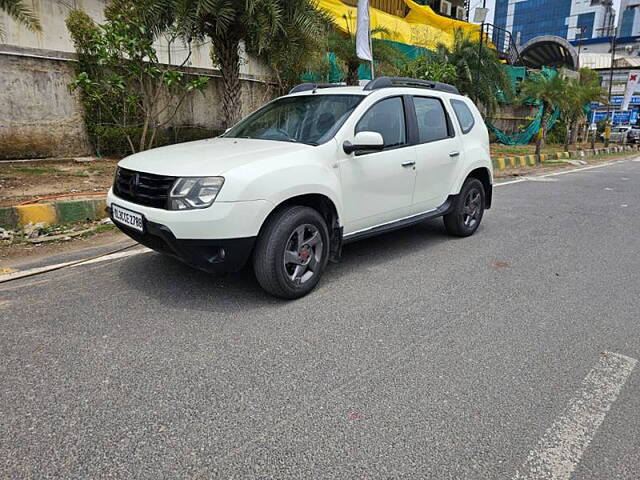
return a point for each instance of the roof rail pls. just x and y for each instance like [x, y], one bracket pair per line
[387, 82]
[304, 87]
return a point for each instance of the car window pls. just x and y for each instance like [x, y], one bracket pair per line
[387, 118]
[310, 119]
[432, 120]
[464, 115]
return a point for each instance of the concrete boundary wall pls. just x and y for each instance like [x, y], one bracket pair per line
[41, 118]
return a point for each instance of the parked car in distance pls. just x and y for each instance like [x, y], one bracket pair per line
[619, 133]
[633, 136]
[287, 186]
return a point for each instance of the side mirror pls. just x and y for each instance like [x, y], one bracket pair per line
[364, 141]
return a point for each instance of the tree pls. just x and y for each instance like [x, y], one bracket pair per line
[581, 93]
[228, 24]
[388, 59]
[120, 77]
[424, 67]
[479, 72]
[22, 14]
[550, 93]
[301, 46]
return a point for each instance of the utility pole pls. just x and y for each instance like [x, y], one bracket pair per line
[479, 62]
[607, 131]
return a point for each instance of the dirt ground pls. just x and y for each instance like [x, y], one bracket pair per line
[10, 254]
[21, 181]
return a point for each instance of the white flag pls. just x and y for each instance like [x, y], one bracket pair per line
[632, 84]
[363, 32]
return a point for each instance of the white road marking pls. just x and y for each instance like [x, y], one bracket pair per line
[540, 179]
[560, 449]
[563, 172]
[33, 271]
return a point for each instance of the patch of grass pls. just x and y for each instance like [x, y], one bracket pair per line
[107, 227]
[33, 170]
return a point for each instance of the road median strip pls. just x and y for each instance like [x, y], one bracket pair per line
[516, 161]
[54, 212]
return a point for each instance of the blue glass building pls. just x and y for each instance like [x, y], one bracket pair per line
[569, 19]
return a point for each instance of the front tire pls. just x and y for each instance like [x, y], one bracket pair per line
[292, 252]
[468, 209]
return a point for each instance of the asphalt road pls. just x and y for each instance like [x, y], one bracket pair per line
[419, 356]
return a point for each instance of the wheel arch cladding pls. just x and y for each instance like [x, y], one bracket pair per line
[484, 176]
[322, 204]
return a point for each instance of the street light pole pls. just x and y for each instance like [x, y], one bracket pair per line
[607, 131]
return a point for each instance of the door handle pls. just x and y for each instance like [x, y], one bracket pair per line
[454, 154]
[408, 164]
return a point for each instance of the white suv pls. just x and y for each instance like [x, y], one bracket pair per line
[291, 183]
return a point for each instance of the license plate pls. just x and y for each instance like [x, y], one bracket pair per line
[127, 217]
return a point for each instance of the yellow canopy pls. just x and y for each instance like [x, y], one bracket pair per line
[421, 27]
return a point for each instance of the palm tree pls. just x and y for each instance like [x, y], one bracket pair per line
[581, 93]
[301, 46]
[388, 59]
[22, 14]
[479, 72]
[229, 24]
[550, 93]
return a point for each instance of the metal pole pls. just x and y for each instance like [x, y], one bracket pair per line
[607, 133]
[479, 62]
[373, 73]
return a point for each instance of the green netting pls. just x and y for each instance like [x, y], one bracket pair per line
[517, 76]
[524, 137]
[335, 75]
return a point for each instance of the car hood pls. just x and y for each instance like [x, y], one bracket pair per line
[210, 157]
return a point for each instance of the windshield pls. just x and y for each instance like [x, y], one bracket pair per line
[310, 119]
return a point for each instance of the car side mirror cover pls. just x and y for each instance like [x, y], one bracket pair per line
[364, 141]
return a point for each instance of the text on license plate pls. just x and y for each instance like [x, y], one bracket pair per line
[127, 217]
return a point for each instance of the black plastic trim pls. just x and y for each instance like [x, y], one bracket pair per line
[388, 82]
[398, 224]
[212, 256]
[305, 87]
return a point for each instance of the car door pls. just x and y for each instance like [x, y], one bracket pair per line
[378, 186]
[438, 153]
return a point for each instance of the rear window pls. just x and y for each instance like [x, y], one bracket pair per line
[464, 115]
[432, 120]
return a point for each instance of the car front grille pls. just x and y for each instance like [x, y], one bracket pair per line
[143, 188]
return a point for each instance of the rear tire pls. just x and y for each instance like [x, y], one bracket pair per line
[467, 211]
[292, 252]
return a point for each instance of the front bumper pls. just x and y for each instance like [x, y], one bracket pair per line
[212, 256]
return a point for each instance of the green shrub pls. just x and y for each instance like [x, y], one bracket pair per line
[112, 141]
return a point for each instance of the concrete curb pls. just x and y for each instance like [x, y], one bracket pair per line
[501, 163]
[52, 213]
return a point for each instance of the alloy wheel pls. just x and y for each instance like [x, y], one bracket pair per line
[472, 208]
[303, 253]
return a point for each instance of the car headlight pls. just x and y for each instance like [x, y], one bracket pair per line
[191, 192]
